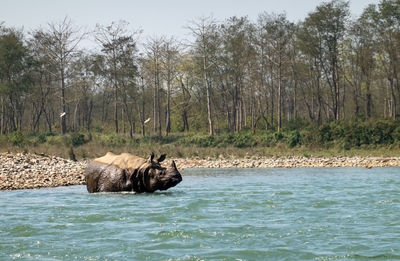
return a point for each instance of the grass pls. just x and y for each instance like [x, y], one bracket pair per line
[347, 138]
[183, 146]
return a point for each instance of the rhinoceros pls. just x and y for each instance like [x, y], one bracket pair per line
[126, 172]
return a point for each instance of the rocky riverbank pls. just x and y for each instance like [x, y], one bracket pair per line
[291, 162]
[26, 171]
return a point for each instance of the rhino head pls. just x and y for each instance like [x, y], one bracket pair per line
[156, 177]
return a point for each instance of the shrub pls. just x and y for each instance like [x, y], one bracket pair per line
[277, 136]
[325, 134]
[396, 134]
[49, 133]
[77, 139]
[32, 134]
[58, 140]
[382, 132]
[112, 140]
[17, 138]
[294, 138]
[228, 140]
[41, 138]
[243, 140]
[202, 141]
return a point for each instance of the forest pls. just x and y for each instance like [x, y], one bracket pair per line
[234, 76]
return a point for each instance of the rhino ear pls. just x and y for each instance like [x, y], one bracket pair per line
[151, 157]
[161, 158]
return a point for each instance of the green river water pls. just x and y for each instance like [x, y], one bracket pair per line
[214, 214]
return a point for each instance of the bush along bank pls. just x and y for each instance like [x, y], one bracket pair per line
[338, 135]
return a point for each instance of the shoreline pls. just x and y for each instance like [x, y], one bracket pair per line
[29, 171]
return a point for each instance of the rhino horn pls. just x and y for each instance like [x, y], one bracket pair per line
[151, 157]
[173, 164]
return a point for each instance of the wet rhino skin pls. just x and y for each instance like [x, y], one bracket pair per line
[127, 172]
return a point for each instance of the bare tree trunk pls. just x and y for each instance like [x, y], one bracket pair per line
[279, 96]
[89, 115]
[368, 97]
[74, 127]
[64, 115]
[158, 107]
[124, 115]
[343, 101]
[295, 99]
[142, 114]
[337, 91]
[393, 100]
[168, 123]
[2, 120]
[116, 110]
[155, 103]
[272, 100]
[185, 121]
[103, 107]
[209, 112]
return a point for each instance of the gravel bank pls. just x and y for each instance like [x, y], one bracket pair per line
[26, 171]
[291, 162]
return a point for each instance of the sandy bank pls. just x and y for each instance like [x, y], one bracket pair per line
[25, 171]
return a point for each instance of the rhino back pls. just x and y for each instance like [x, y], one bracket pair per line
[123, 161]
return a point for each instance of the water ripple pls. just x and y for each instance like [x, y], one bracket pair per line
[278, 214]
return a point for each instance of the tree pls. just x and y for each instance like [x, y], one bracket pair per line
[170, 60]
[15, 78]
[280, 35]
[119, 52]
[186, 75]
[234, 64]
[326, 26]
[205, 46]
[361, 58]
[45, 78]
[84, 84]
[387, 22]
[154, 48]
[60, 43]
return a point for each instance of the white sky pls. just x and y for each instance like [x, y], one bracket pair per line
[155, 17]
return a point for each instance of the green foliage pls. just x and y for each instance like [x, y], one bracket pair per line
[32, 134]
[112, 140]
[238, 140]
[340, 135]
[243, 141]
[49, 133]
[354, 133]
[267, 140]
[17, 138]
[201, 141]
[41, 138]
[324, 134]
[58, 140]
[277, 136]
[77, 139]
[294, 138]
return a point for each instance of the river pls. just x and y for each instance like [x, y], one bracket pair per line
[214, 214]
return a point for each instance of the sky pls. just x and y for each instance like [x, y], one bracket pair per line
[154, 17]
